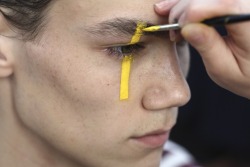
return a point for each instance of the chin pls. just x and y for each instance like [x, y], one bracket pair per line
[151, 160]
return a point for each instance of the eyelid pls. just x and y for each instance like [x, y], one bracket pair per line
[114, 51]
[122, 44]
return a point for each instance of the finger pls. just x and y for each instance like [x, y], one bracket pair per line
[164, 7]
[219, 61]
[240, 35]
[177, 11]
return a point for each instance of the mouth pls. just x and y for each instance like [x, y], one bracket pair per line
[154, 139]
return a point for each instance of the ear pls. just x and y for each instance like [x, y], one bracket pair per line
[6, 58]
[6, 67]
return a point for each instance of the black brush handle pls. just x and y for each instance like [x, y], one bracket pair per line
[228, 19]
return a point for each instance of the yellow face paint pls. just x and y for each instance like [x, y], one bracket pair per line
[127, 61]
[152, 28]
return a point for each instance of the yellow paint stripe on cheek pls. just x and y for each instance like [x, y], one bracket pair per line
[126, 66]
[126, 63]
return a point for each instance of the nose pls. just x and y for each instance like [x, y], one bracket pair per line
[166, 86]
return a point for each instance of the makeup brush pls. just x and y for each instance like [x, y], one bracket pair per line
[217, 21]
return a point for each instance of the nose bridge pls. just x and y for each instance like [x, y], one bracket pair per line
[166, 86]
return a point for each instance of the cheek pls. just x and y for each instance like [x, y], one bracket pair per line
[74, 73]
[65, 94]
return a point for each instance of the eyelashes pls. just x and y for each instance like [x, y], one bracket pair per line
[124, 50]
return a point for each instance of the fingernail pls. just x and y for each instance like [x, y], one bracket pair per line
[161, 4]
[194, 34]
[164, 4]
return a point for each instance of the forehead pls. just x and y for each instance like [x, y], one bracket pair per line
[93, 11]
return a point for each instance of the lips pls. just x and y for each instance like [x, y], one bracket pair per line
[153, 139]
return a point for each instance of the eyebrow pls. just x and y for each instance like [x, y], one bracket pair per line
[120, 27]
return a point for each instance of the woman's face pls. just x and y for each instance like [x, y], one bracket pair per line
[67, 84]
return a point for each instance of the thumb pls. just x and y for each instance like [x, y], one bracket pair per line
[218, 59]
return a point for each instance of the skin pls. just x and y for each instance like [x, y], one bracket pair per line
[227, 59]
[59, 101]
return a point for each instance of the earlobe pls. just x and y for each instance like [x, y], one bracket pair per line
[6, 68]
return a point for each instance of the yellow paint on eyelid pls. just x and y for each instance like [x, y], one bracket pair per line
[127, 61]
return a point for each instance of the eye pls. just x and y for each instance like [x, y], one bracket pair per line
[125, 50]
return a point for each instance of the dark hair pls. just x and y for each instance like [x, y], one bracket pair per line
[25, 15]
